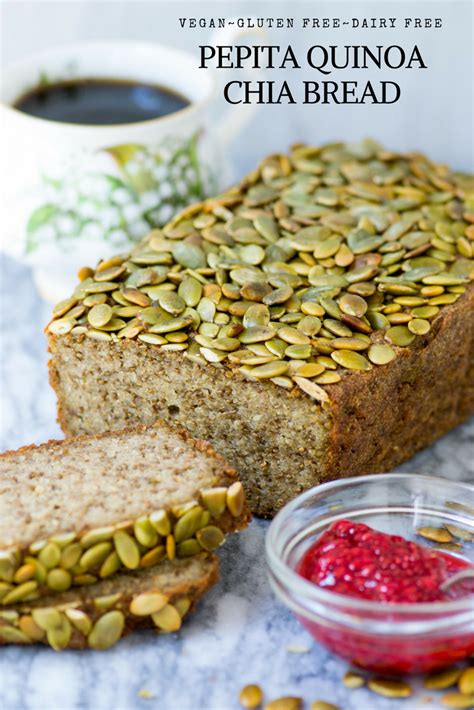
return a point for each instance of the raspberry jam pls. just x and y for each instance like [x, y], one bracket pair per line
[357, 561]
[353, 559]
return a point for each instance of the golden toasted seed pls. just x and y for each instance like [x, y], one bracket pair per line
[50, 555]
[11, 634]
[167, 619]
[310, 369]
[435, 534]
[466, 681]
[214, 500]
[235, 499]
[79, 620]
[323, 705]
[353, 680]
[30, 628]
[153, 556]
[380, 354]
[59, 580]
[106, 631]
[170, 547]
[285, 703]
[389, 688]
[148, 603]
[20, 593]
[457, 700]
[443, 679]
[251, 697]
[24, 573]
[95, 555]
[210, 537]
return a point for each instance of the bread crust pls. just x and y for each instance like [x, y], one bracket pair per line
[82, 599]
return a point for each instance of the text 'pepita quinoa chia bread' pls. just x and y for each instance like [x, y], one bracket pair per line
[313, 322]
[76, 511]
[98, 616]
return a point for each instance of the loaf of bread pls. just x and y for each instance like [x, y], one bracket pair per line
[313, 322]
[98, 616]
[77, 511]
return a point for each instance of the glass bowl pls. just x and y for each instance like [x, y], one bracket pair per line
[388, 638]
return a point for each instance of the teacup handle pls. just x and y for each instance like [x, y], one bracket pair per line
[234, 119]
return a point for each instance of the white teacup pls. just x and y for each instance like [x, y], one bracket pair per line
[77, 193]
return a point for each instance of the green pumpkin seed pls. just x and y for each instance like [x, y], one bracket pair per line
[400, 335]
[100, 315]
[59, 580]
[235, 499]
[312, 389]
[167, 619]
[351, 360]
[79, 620]
[161, 522]
[214, 499]
[20, 593]
[148, 603]
[188, 524]
[106, 631]
[418, 326]
[190, 291]
[95, 555]
[127, 549]
[10, 634]
[210, 537]
[92, 537]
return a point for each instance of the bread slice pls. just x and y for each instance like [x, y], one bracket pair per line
[313, 322]
[79, 510]
[98, 616]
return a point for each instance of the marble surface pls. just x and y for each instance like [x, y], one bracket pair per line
[239, 634]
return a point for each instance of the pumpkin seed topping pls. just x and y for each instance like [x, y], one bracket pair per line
[435, 534]
[326, 243]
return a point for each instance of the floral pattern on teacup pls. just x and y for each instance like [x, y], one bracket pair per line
[135, 189]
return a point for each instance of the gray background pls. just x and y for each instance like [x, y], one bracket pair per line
[434, 114]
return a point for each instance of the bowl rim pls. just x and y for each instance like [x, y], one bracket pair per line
[307, 591]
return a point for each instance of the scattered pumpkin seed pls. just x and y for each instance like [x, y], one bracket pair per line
[442, 679]
[106, 631]
[389, 688]
[457, 700]
[435, 534]
[251, 697]
[285, 703]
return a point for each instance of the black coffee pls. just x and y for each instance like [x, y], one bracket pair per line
[100, 101]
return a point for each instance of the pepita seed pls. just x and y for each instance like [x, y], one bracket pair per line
[285, 703]
[100, 315]
[389, 688]
[210, 537]
[11, 634]
[443, 679]
[400, 335]
[188, 524]
[251, 697]
[380, 354]
[235, 499]
[148, 603]
[167, 619]
[95, 555]
[435, 534]
[323, 705]
[106, 631]
[30, 628]
[20, 593]
[79, 620]
[457, 700]
[351, 360]
[59, 580]
[127, 549]
[466, 681]
[353, 680]
[214, 500]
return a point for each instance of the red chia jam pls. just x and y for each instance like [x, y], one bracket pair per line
[354, 560]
